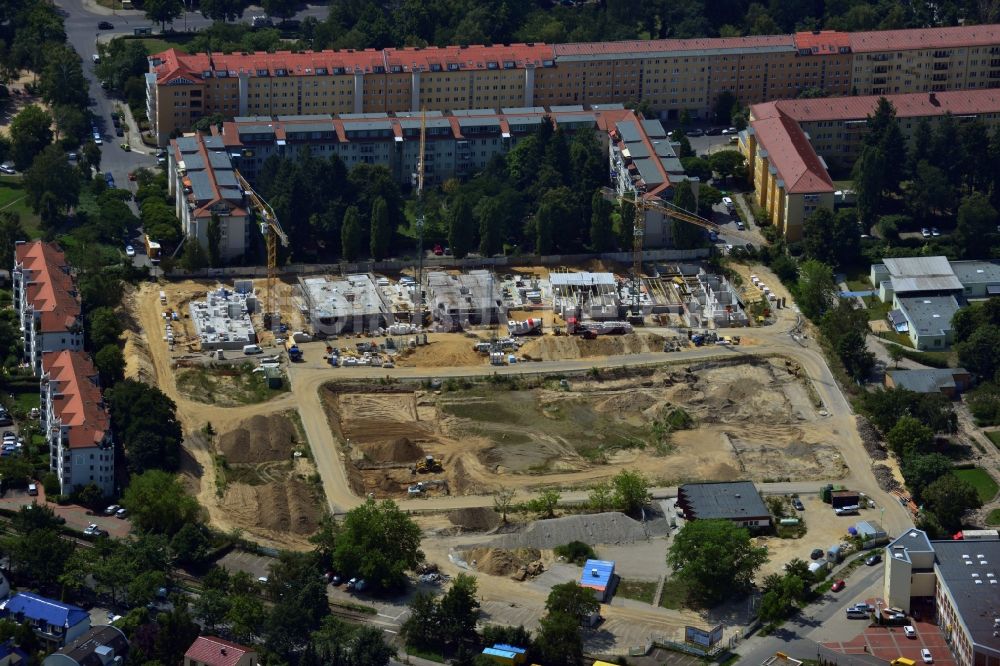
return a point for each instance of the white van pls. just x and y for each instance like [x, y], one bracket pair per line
[252, 349]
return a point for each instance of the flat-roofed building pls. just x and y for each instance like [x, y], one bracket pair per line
[738, 501]
[352, 304]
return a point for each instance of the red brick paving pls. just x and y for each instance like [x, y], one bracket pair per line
[890, 642]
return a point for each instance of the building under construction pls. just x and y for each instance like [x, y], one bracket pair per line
[713, 302]
[351, 304]
[457, 300]
[222, 320]
[586, 296]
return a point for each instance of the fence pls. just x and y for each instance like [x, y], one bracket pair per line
[396, 265]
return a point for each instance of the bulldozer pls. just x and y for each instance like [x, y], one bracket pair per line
[428, 465]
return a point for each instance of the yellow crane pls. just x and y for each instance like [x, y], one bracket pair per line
[420, 221]
[666, 209]
[271, 229]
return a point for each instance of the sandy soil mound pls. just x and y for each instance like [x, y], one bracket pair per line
[476, 519]
[397, 450]
[501, 561]
[259, 439]
[138, 363]
[278, 507]
[550, 348]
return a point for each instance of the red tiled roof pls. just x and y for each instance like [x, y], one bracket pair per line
[469, 57]
[658, 45]
[925, 38]
[790, 153]
[216, 651]
[912, 105]
[822, 42]
[78, 402]
[50, 290]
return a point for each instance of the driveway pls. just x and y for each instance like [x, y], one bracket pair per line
[77, 517]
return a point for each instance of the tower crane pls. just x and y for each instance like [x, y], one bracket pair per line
[419, 310]
[666, 209]
[271, 229]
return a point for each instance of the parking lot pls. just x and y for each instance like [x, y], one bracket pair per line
[77, 517]
[890, 642]
[251, 563]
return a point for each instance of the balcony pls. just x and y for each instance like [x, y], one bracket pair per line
[942, 54]
[939, 66]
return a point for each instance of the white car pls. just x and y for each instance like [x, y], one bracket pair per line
[129, 251]
[8, 168]
[730, 130]
[925, 654]
[97, 139]
[96, 58]
[925, 232]
[909, 631]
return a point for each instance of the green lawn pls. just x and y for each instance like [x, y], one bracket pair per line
[158, 44]
[857, 278]
[27, 401]
[993, 518]
[994, 436]
[979, 479]
[13, 200]
[639, 590]
[675, 592]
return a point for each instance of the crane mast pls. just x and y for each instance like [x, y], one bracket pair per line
[419, 302]
[271, 229]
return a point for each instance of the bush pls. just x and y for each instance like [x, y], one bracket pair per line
[51, 484]
[576, 552]
[984, 403]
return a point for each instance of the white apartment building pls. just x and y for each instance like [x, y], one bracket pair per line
[46, 301]
[76, 423]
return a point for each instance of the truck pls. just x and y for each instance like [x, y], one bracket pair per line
[594, 328]
[152, 249]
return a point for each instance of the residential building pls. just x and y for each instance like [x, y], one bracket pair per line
[949, 381]
[672, 75]
[76, 423]
[928, 320]
[213, 651]
[11, 655]
[465, 299]
[55, 623]
[790, 144]
[738, 501]
[352, 304]
[202, 180]
[458, 144]
[102, 645]
[911, 277]
[46, 301]
[961, 577]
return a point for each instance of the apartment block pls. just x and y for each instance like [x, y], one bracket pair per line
[673, 75]
[790, 144]
[76, 423]
[203, 183]
[46, 301]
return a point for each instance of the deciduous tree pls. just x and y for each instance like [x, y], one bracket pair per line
[157, 502]
[379, 543]
[716, 558]
[30, 133]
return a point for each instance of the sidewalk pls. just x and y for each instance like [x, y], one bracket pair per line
[134, 135]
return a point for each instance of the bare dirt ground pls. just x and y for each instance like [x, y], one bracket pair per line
[18, 100]
[752, 420]
[559, 348]
[443, 350]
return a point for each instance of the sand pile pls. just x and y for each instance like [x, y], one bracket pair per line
[259, 439]
[287, 506]
[138, 363]
[398, 450]
[478, 519]
[501, 561]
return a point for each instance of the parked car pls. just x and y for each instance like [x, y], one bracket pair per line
[32, 489]
[105, 25]
[262, 580]
[5, 419]
[728, 203]
[797, 503]
[729, 130]
[873, 560]
[97, 138]
[696, 132]
[935, 232]
[925, 655]
[713, 131]
[121, 513]
[838, 586]
[8, 168]
[94, 530]
[110, 511]
[909, 631]
[816, 554]
[96, 58]
[925, 232]
[129, 251]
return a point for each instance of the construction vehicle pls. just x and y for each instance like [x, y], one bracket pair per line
[273, 233]
[294, 353]
[428, 465]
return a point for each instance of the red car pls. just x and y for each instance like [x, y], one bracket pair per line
[838, 586]
[438, 250]
[131, 175]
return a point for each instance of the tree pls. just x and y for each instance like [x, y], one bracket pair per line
[89, 158]
[378, 543]
[909, 436]
[573, 600]
[727, 163]
[697, 167]
[716, 558]
[350, 234]
[948, 498]
[930, 192]
[895, 353]
[194, 257]
[280, 8]
[381, 234]
[546, 502]
[817, 236]
[886, 137]
[977, 220]
[868, 176]
[458, 611]
[919, 471]
[30, 133]
[11, 231]
[211, 607]
[491, 226]
[461, 228]
[815, 288]
[157, 502]
[602, 233]
[722, 110]
[62, 82]
[72, 125]
[52, 186]
[631, 491]
[685, 235]
[684, 149]
[980, 352]
[163, 11]
[221, 10]
[503, 499]
[245, 615]
[340, 643]
[214, 233]
[558, 641]
[421, 628]
[296, 589]
[191, 545]
[110, 363]
[601, 498]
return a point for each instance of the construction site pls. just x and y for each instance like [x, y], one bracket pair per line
[750, 420]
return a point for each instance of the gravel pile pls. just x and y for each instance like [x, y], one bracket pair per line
[884, 477]
[871, 439]
[608, 528]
